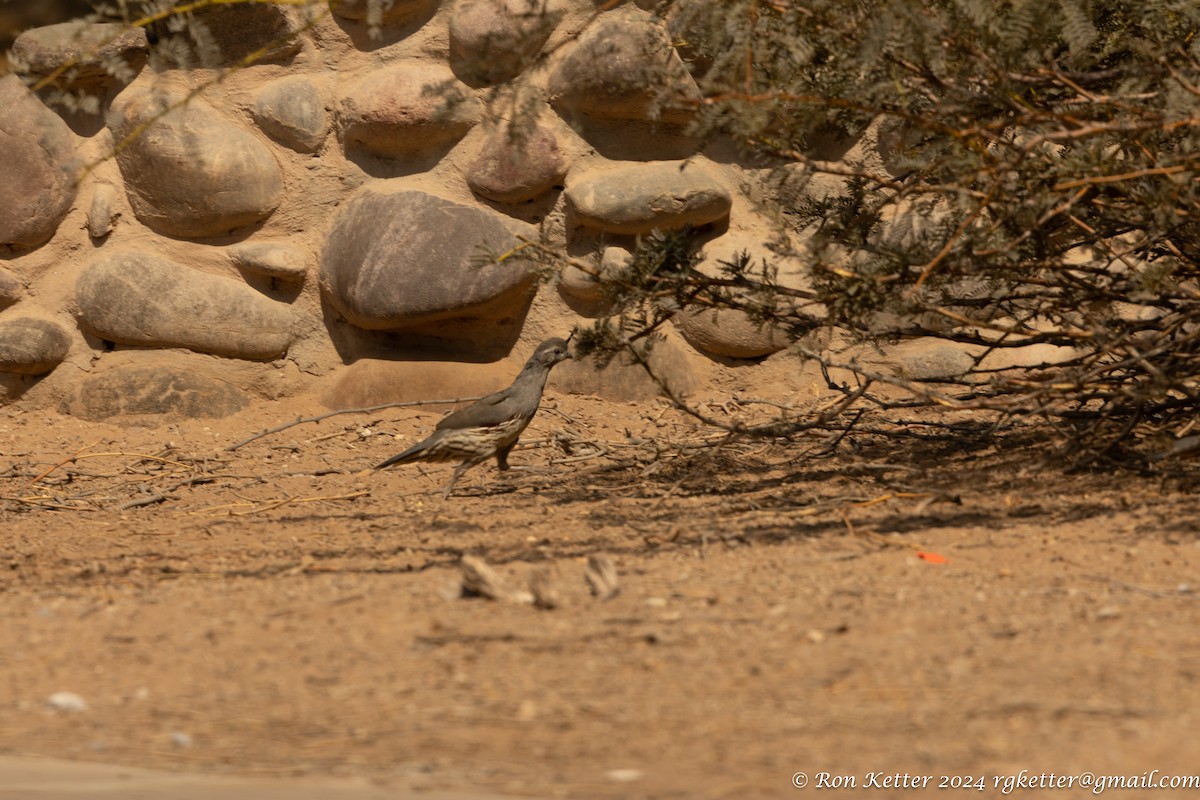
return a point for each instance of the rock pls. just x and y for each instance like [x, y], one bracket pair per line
[136, 297]
[11, 288]
[66, 701]
[729, 333]
[395, 11]
[100, 215]
[405, 108]
[641, 198]
[192, 172]
[624, 67]
[100, 54]
[290, 111]
[493, 41]
[31, 346]
[585, 286]
[517, 165]
[924, 360]
[278, 260]
[406, 260]
[134, 390]
[370, 381]
[623, 381]
[37, 150]
[243, 33]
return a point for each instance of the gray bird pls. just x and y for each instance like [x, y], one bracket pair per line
[491, 425]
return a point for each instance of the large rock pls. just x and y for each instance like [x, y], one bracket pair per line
[37, 150]
[624, 67]
[396, 10]
[729, 333]
[370, 381]
[189, 171]
[641, 198]
[405, 108]
[238, 34]
[135, 297]
[406, 260]
[515, 165]
[159, 390]
[94, 55]
[291, 111]
[31, 346]
[622, 379]
[493, 41]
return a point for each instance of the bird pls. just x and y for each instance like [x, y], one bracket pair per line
[491, 425]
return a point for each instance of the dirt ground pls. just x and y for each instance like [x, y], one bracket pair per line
[931, 604]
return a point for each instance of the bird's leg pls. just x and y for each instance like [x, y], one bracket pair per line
[502, 456]
[458, 471]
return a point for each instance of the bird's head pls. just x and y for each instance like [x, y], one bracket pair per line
[550, 352]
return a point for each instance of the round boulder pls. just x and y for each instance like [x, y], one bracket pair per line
[492, 41]
[405, 108]
[516, 165]
[624, 67]
[37, 150]
[645, 197]
[31, 346]
[189, 171]
[95, 55]
[729, 333]
[290, 111]
[406, 260]
[135, 297]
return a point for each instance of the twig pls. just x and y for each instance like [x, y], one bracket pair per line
[366, 410]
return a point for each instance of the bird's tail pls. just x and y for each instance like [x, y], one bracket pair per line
[411, 454]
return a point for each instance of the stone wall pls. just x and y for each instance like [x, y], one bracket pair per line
[314, 223]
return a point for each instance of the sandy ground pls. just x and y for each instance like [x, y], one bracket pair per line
[929, 605]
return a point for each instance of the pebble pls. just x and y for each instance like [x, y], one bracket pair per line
[66, 701]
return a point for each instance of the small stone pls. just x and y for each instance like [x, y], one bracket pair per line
[11, 288]
[638, 199]
[624, 775]
[285, 262]
[100, 215]
[31, 346]
[290, 110]
[66, 701]
[181, 739]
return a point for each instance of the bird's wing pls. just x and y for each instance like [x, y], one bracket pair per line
[483, 413]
